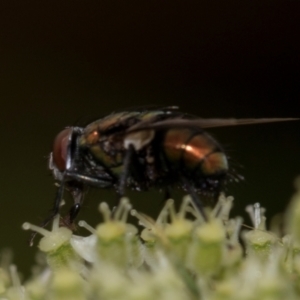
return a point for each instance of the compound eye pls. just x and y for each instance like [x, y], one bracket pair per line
[60, 148]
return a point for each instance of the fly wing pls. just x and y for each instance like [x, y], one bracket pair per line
[201, 123]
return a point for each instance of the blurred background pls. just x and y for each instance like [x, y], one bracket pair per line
[67, 62]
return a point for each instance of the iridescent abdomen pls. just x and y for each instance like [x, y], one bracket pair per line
[194, 152]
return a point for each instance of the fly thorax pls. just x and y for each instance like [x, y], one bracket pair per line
[104, 150]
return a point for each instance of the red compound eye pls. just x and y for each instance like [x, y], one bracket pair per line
[60, 148]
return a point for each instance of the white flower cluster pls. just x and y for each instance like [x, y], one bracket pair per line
[178, 256]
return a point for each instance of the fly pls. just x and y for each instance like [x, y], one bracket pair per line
[159, 148]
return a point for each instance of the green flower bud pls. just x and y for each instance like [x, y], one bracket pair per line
[259, 242]
[56, 244]
[207, 249]
[117, 241]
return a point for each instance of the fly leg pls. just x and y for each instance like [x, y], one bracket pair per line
[127, 161]
[124, 176]
[77, 194]
[54, 212]
[197, 202]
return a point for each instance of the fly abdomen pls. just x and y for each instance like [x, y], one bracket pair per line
[194, 151]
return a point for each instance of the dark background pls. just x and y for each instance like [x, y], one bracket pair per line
[65, 62]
